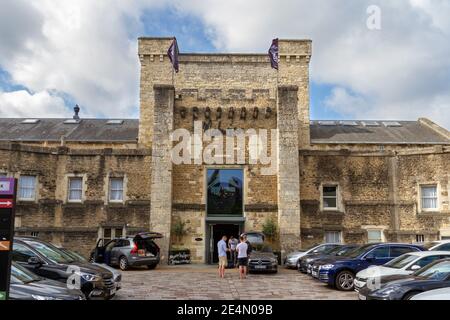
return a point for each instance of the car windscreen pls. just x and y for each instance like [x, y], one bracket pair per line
[429, 245]
[438, 271]
[331, 250]
[401, 261]
[255, 238]
[358, 251]
[50, 252]
[75, 255]
[20, 274]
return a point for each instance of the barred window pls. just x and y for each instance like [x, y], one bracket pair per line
[429, 199]
[75, 189]
[27, 187]
[116, 189]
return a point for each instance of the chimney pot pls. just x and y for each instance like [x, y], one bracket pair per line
[76, 109]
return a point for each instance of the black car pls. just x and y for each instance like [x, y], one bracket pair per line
[306, 262]
[25, 285]
[436, 275]
[48, 261]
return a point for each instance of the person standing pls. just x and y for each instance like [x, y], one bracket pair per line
[242, 258]
[232, 243]
[222, 252]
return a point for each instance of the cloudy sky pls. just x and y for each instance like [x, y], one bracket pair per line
[55, 53]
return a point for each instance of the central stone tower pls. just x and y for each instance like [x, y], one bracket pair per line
[207, 83]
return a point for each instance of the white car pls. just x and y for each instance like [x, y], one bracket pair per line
[439, 245]
[402, 265]
[292, 259]
[437, 294]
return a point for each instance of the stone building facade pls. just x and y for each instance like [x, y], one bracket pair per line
[345, 181]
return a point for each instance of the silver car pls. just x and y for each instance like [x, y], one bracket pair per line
[130, 251]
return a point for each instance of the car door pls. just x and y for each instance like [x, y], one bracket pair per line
[116, 252]
[377, 256]
[397, 251]
[424, 261]
[22, 253]
[99, 251]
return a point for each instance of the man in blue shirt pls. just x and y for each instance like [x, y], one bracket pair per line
[222, 252]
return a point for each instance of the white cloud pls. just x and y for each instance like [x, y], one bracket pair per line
[401, 68]
[87, 49]
[22, 104]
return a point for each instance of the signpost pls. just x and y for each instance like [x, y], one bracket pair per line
[8, 187]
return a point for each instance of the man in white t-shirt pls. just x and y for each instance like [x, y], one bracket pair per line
[232, 243]
[241, 249]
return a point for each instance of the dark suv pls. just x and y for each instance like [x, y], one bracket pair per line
[46, 260]
[138, 250]
[340, 271]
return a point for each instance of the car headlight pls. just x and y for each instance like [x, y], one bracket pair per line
[273, 260]
[39, 297]
[386, 291]
[90, 277]
[327, 266]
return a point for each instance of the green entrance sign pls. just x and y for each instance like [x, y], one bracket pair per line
[2, 295]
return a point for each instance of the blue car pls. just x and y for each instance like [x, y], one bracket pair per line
[340, 272]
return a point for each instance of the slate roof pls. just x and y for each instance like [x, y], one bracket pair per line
[374, 132]
[322, 132]
[87, 130]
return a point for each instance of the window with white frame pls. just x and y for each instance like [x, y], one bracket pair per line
[27, 188]
[75, 193]
[375, 235]
[116, 189]
[429, 197]
[109, 233]
[330, 197]
[333, 237]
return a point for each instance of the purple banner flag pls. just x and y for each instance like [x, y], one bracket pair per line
[173, 54]
[273, 54]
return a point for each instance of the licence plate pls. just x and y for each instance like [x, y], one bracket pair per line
[260, 267]
[361, 297]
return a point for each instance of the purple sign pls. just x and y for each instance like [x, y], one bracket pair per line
[7, 186]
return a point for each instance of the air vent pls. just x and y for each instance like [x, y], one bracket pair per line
[72, 121]
[391, 124]
[327, 123]
[114, 121]
[30, 121]
[370, 123]
[348, 123]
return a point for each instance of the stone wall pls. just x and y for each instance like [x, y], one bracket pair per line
[60, 221]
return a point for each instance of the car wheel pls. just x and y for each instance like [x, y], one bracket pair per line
[123, 263]
[151, 266]
[344, 280]
[409, 295]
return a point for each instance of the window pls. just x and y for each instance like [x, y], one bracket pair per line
[225, 192]
[21, 253]
[34, 234]
[379, 253]
[420, 238]
[75, 189]
[329, 197]
[397, 251]
[27, 187]
[116, 189]
[111, 233]
[444, 247]
[332, 237]
[429, 199]
[374, 236]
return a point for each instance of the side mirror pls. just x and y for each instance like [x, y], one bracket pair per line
[369, 258]
[415, 267]
[35, 261]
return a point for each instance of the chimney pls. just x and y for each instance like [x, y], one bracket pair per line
[76, 109]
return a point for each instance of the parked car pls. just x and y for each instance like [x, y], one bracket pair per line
[130, 251]
[262, 259]
[406, 264]
[292, 260]
[339, 272]
[25, 285]
[117, 275]
[439, 245]
[48, 261]
[400, 287]
[436, 294]
[306, 261]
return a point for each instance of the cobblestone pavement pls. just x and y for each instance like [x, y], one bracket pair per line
[202, 282]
